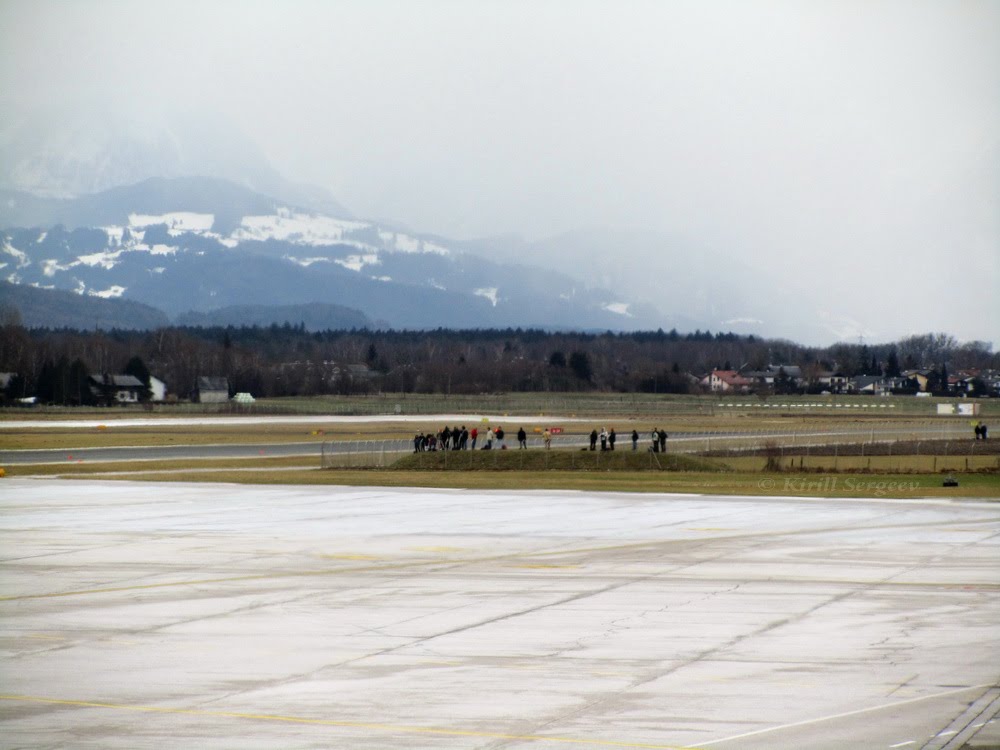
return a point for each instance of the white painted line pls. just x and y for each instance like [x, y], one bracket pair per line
[277, 419]
[904, 744]
[843, 715]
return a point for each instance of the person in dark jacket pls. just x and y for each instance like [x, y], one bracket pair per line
[663, 441]
[635, 440]
[593, 440]
[522, 438]
[612, 437]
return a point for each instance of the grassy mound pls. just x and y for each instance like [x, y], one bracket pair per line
[556, 460]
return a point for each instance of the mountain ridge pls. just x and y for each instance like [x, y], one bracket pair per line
[200, 244]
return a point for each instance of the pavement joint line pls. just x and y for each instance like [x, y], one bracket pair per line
[447, 562]
[451, 562]
[390, 728]
[844, 715]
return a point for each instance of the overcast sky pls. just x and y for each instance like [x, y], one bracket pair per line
[855, 140]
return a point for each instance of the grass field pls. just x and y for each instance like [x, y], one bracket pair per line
[188, 466]
[599, 405]
[554, 460]
[712, 426]
[801, 465]
[693, 482]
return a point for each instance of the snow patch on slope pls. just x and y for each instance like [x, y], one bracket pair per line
[357, 262]
[50, 266]
[288, 226]
[106, 260]
[618, 308]
[22, 258]
[178, 222]
[489, 293]
[112, 292]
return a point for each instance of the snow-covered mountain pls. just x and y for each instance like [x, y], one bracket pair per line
[198, 244]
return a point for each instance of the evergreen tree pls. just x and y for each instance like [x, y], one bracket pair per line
[79, 386]
[892, 365]
[864, 362]
[579, 363]
[137, 368]
[45, 387]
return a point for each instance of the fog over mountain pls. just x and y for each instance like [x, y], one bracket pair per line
[820, 171]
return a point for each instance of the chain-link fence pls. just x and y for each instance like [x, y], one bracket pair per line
[943, 438]
[918, 437]
[361, 453]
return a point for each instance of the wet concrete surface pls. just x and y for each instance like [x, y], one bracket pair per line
[139, 615]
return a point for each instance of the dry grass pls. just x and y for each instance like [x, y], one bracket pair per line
[905, 464]
[89, 468]
[165, 434]
[730, 483]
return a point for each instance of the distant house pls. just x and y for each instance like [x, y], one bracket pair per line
[158, 388]
[116, 389]
[878, 385]
[361, 372]
[835, 382]
[921, 377]
[212, 390]
[726, 380]
[772, 373]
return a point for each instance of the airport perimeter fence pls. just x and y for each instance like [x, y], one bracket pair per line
[951, 438]
[942, 436]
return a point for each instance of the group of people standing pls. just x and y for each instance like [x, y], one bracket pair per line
[460, 439]
[658, 438]
[980, 429]
[608, 438]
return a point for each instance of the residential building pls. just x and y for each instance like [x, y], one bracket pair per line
[212, 390]
[116, 389]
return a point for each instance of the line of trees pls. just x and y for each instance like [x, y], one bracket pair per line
[289, 360]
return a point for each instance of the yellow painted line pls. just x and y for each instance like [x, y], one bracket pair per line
[310, 573]
[349, 557]
[392, 728]
[41, 637]
[458, 561]
[439, 549]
